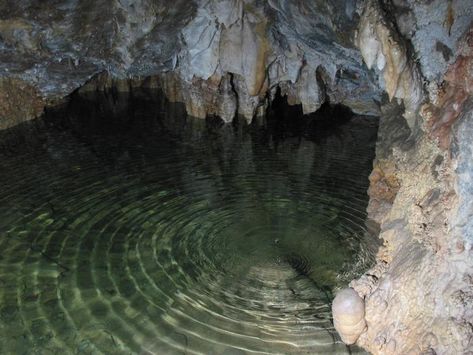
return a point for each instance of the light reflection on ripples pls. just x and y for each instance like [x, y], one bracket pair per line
[122, 236]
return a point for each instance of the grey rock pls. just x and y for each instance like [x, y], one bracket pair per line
[57, 47]
[464, 153]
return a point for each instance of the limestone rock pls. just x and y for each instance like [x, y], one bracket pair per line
[420, 300]
[227, 105]
[57, 49]
[348, 310]
[19, 102]
[380, 43]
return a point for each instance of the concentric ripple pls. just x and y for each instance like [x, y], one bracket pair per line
[141, 242]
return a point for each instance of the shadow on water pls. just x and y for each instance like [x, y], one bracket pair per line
[128, 227]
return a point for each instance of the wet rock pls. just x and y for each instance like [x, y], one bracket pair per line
[444, 21]
[57, 49]
[19, 102]
[463, 220]
[381, 44]
[348, 310]
[424, 226]
[451, 101]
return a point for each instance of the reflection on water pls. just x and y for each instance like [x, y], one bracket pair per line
[126, 228]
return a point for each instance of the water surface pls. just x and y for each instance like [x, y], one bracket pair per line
[127, 228]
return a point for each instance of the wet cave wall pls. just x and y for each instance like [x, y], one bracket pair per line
[410, 62]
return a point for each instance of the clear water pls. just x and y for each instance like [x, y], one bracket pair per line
[128, 229]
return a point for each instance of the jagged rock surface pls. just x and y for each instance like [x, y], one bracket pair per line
[235, 50]
[419, 296]
[381, 44]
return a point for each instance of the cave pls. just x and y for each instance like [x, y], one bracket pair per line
[236, 177]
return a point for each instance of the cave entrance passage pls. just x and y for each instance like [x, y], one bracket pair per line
[129, 228]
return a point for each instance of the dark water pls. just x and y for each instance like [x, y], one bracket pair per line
[128, 229]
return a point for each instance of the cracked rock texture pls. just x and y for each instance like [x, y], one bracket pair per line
[408, 61]
[419, 295]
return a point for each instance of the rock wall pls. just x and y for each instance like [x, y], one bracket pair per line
[14, 93]
[295, 46]
[235, 51]
[419, 296]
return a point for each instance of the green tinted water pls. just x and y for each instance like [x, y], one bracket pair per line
[128, 229]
